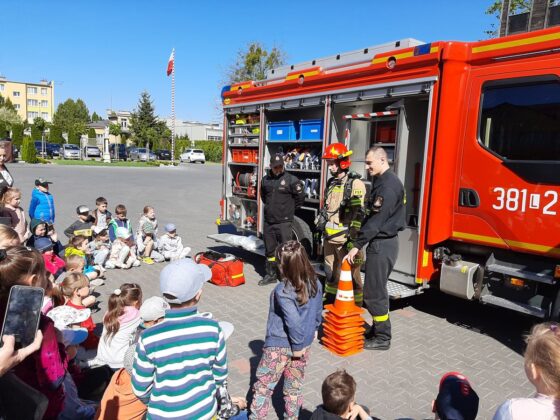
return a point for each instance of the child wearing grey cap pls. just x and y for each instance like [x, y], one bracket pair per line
[171, 245]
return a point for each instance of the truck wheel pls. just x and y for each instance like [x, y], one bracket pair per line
[555, 313]
[302, 233]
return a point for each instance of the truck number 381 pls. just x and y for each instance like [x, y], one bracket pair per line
[513, 199]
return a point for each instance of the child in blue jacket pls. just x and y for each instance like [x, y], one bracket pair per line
[41, 206]
[293, 320]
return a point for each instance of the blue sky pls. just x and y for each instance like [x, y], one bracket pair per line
[107, 52]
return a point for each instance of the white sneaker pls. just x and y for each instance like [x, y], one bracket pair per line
[96, 282]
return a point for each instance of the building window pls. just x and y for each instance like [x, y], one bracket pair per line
[32, 102]
[17, 106]
[15, 93]
[521, 121]
[32, 114]
[45, 115]
[43, 91]
[44, 104]
[2, 88]
[124, 123]
[32, 90]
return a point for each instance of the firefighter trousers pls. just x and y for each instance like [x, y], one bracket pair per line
[333, 255]
[274, 235]
[381, 256]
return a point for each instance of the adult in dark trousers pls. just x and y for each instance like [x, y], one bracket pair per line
[281, 193]
[385, 217]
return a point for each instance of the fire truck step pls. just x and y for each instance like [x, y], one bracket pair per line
[398, 290]
[514, 306]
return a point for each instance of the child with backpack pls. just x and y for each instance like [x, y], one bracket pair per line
[293, 320]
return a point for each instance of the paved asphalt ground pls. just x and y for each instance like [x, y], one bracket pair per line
[433, 333]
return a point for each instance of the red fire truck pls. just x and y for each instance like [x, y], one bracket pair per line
[472, 130]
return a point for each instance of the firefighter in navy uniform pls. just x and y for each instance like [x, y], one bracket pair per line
[282, 193]
[341, 216]
[385, 217]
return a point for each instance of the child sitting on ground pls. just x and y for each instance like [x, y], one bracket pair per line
[146, 236]
[170, 245]
[40, 229]
[119, 325]
[82, 226]
[542, 367]
[53, 263]
[101, 216]
[75, 264]
[73, 291]
[339, 391]
[11, 200]
[118, 221]
[78, 245]
[119, 401]
[100, 247]
[122, 255]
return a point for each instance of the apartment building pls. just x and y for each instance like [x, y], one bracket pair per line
[197, 130]
[31, 100]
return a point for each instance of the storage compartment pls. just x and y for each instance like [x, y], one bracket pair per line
[244, 155]
[310, 130]
[282, 130]
[244, 183]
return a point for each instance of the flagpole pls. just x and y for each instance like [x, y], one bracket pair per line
[173, 110]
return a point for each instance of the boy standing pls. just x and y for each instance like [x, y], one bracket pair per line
[41, 206]
[82, 226]
[119, 220]
[183, 358]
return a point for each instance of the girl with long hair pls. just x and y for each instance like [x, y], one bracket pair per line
[293, 320]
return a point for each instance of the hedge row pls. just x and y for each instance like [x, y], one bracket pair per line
[212, 149]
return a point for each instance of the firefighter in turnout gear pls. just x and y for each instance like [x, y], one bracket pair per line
[385, 217]
[281, 193]
[342, 216]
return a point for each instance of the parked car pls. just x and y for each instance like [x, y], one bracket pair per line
[142, 154]
[118, 151]
[92, 151]
[192, 156]
[42, 152]
[53, 149]
[163, 154]
[70, 151]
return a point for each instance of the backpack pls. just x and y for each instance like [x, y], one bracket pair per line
[227, 270]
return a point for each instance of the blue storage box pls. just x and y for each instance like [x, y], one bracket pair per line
[282, 130]
[310, 130]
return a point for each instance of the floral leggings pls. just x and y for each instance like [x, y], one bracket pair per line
[275, 362]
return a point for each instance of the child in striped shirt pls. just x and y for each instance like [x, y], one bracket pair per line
[181, 361]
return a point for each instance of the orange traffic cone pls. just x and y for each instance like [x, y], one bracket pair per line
[343, 326]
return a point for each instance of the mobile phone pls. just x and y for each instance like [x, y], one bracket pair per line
[22, 314]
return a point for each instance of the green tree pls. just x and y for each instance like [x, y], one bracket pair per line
[515, 7]
[115, 130]
[72, 116]
[91, 134]
[17, 135]
[95, 117]
[55, 134]
[74, 136]
[254, 62]
[8, 116]
[143, 120]
[38, 128]
[28, 152]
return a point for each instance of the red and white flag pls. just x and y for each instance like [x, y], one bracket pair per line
[171, 62]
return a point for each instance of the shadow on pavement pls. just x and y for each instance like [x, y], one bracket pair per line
[507, 327]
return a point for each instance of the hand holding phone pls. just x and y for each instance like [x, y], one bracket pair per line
[9, 357]
[22, 314]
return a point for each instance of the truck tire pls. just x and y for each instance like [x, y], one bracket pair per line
[302, 233]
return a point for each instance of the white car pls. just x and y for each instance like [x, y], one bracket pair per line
[192, 156]
[70, 151]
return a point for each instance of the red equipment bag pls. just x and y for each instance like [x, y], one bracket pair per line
[227, 270]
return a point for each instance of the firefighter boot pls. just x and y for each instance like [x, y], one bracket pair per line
[270, 276]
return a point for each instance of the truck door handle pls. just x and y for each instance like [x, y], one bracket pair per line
[468, 198]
